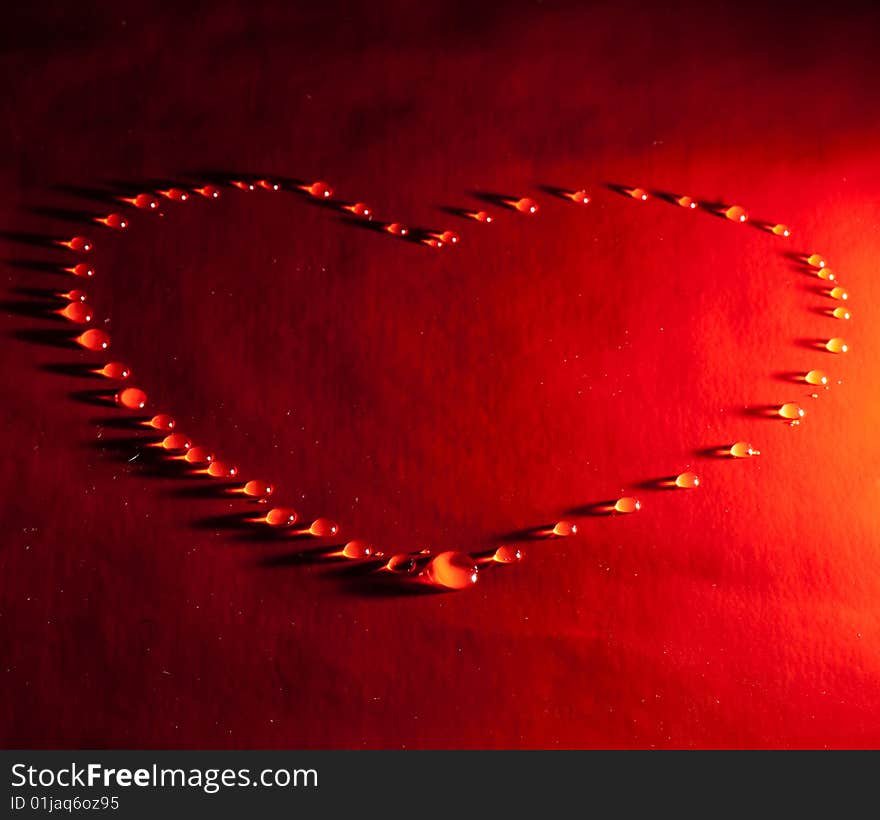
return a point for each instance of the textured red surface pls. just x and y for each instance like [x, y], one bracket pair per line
[445, 399]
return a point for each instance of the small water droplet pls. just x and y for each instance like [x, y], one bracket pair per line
[627, 504]
[562, 529]
[131, 398]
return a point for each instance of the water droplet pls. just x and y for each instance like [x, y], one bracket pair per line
[480, 216]
[83, 270]
[281, 517]
[269, 185]
[199, 455]
[508, 555]
[638, 193]
[146, 202]
[132, 398]
[815, 261]
[837, 345]
[826, 273]
[162, 422]
[841, 313]
[242, 185]
[838, 293]
[176, 443]
[258, 489]
[452, 570]
[115, 370]
[627, 504]
[735, 213]
[209, 191]
[687, 481]
[447, 237]
[94, 340]
[687, 202]
[323, 528]
[742, 449]
[77, 312]
[816, 377]
[562, 529]
[432, 243]
[78, 243]
[176, 194]
[116, 221]
[222, 469]
[357, 550]
[781, 230]
[525, 205]
[581, 197]
[402, 564]
[360, 209]
[397, 228]
[319, 190]
[72, 295]
[791, 410]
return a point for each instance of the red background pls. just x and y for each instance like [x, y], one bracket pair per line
[446, 399]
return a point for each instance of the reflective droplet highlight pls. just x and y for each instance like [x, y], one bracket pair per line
[176, 443]
[526, 205]
[78, 312]
[199, 455]
[826, 273]
[841, 313]
[257, 488]
[814, 260]
[781, 230]
[508, 555]
[281, 517]
[452, 570]
[627, 504]
[360, 209]
[83, 270]
[72, 295]
[357, 550]
[687, 202]
[838, 293]
[791, 410]
[162, 421]
[323, 528]
[397, 228]
[115, 370]
[222, 469]
[402, 564]
[209, 191]
[81, 244]
[116, 221]
[638, 193]
[816, 377]
[480, 216]
[319, 189]
[742, 449]
[736, 213]
[563, 529]
[94, 340]
[132, 398]
[687, 481]
[145, 202]
[175, 194]
[581, 197]
[837, 345]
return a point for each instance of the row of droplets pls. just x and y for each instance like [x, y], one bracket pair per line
[448, 569]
